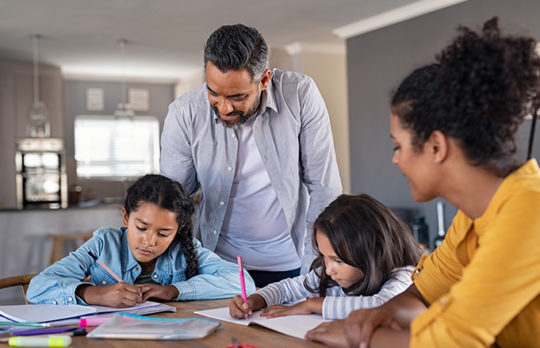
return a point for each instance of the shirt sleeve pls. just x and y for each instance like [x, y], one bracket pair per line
[57, 283]
[499, 282]
[176, 158]
[318, 157]
[441, 269]
[289, 290]
[339, 307]
[217, 278]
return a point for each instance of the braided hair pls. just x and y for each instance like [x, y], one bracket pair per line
[170, 195]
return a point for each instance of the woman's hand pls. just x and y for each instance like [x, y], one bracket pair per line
[310, 305]
[360, 325]
[158, 292]
[116, 295]
[330, 334]
[240, 310]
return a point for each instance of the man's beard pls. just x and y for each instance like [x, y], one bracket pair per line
[242, 116]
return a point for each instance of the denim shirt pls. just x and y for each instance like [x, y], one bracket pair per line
[293, 137]
[57, 284]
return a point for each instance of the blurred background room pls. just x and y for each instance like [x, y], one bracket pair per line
[85, 86]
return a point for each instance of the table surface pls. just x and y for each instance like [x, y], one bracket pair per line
[222, 337]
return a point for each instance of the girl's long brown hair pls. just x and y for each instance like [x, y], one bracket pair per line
[367, 235]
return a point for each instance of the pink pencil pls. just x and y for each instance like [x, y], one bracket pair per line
[105, 267]
[241, 274]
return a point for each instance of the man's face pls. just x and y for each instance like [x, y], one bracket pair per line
[234, 97]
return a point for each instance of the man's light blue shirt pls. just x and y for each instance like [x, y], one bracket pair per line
[294, 139]
[57, 284]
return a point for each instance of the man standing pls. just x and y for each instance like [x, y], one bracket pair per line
[258, 144]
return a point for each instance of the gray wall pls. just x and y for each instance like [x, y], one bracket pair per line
[161, 95]
[16, 95]
[379, 60]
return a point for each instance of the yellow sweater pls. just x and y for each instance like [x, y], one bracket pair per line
[483, 281]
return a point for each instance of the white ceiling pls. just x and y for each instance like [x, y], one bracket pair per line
[166, 37]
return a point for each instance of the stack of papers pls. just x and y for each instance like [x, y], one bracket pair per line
[56, 315]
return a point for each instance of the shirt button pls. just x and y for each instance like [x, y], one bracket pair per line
[103, 282]
[215, 232]
[443, 301]
[55, 302]
[70, 299]
[155, 276]
[234, 136]
[137, 268]
[221, 203]
[229, 168]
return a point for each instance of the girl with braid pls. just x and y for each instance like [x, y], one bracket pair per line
[154, 254]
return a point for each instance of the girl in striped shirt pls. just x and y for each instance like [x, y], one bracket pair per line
[365, 256]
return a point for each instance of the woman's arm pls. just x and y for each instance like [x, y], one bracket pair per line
[398, 313]
[371, 327]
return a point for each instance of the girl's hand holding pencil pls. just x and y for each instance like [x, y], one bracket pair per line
[116, 295]
[120, 294]
[240, 309]
[158, 292]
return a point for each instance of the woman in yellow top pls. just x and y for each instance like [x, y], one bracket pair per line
[454, 124]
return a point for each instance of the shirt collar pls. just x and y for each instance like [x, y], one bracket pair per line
[270, 96]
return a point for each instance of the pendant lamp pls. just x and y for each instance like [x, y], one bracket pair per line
[123, 106]
[38, 117]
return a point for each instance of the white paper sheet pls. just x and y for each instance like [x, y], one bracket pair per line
[42, 313]
[292, 325]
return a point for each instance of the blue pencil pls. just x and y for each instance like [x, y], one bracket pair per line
[13, 323]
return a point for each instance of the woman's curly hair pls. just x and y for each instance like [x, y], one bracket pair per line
[170, 195]
[478, 93]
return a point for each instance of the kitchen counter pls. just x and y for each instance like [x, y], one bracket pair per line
[24, 245]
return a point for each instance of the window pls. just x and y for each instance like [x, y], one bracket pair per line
[116, 147]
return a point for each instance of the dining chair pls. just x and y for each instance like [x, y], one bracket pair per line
[59, 240]
[20, 280]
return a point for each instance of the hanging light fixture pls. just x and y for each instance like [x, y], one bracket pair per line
[38, 119]
[123, 106]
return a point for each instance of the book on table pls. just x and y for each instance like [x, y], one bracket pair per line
[129, 326]
[68, 314]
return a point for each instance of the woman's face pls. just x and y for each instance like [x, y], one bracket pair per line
[150, 231]
[414, 163]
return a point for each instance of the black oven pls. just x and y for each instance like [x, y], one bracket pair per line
[41, 173]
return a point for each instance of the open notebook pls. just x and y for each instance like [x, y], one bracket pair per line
[64, 314]
[292, 325]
